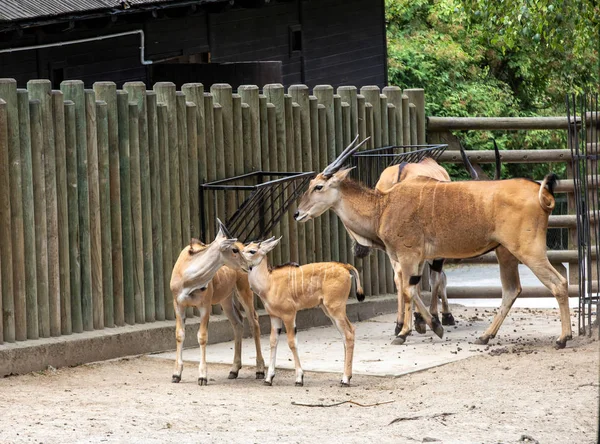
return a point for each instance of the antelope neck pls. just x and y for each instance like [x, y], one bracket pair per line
[359, 210]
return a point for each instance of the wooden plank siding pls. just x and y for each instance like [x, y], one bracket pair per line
[343, 42]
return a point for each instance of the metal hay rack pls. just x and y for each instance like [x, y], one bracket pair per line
[371, 163]
[583, 115]
[252, 204]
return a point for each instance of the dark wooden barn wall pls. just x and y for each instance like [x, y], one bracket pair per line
[343, 42]
[256, 35]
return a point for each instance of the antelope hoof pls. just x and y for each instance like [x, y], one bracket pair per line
[560, 344]
[420, 324]
[448, 319]
[435, 316]
[260, 375]
[437, 327]
[232, 375]
[344, 384]
[398, 329]
[483, 340]
[175, 379]
[269, 383]
[399, 340]
[202, 381]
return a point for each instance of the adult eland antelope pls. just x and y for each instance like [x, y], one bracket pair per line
[427, 167]
[425, 219]
[200, 279]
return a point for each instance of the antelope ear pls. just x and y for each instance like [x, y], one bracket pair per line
[225, 243]
[268, 245]
[341, 175]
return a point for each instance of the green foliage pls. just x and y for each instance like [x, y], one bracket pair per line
[487, 58]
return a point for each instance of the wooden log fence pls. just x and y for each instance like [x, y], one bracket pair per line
[106, 187]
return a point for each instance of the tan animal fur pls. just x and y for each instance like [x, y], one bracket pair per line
[286, 290]
[509, 216]
[199, 280]
[389, 177]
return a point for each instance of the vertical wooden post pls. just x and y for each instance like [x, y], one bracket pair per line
[194, 92]
[104, 207]
[371, 94]
[94, 209]
[393, 137]
[166, 93]
[297, 148]
[394, 96]
[250, 95]
[414, 130]
[405, 121]
[349, 95]
[137, 95]
[58, 114]
[238, 134]
[219, 154]
[40, 90]
[73, 212]
[346, 139]
[272, 126]
[264, 133]
[300, 94]
[316, 164]
[275, 95]
[194, 185]
[222, 94]
[107, 91]
[341, 239]
[8, 92]
[417, 97]
[371, 131]
[22, 309]
[184, 180]
[165, 210]
[6, 255]
[211, 172]
[42, 328]
[326, 224]
[384, 263]
[73, 90]
[246, 131]
[324, 95]
[290, 166]
[126, 215]
[156, 208]
[362, 132]
[136, 213]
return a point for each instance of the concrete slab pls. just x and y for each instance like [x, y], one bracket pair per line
[321, 349]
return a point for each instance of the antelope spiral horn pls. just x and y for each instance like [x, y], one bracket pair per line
[334, 166]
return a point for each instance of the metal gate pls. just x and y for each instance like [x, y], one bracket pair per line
[584, 128]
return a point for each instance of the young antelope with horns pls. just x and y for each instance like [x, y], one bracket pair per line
[508, 216]
[199, 281]
[289, 288]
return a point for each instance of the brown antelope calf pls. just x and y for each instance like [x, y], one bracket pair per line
[199, 281]
[424, 219]
[289, 288]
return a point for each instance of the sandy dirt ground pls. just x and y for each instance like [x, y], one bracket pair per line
[520, 392]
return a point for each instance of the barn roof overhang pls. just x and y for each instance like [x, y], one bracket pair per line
[21, 14]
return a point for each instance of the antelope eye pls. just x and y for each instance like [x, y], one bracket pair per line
[235, 250]
[252, 251]
[318, 187]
